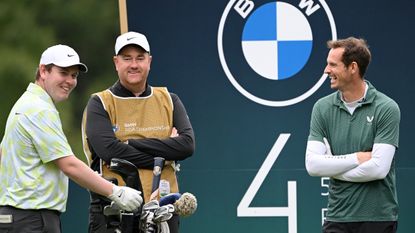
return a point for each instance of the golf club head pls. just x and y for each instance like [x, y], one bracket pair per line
[127, 171]
[163, 213]
[151, 205]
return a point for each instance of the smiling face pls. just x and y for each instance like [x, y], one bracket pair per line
[133, 65]
[57, 81]
[340, 75]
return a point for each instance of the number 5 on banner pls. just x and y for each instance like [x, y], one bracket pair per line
[290, 211]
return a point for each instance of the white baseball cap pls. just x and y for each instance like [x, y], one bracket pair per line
[134, 38]
[62, 56]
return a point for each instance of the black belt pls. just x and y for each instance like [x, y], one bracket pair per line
[9, 207]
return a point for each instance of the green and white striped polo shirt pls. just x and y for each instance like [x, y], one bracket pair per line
[376, 120]
[33, 138]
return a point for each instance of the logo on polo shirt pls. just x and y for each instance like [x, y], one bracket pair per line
[274, 53]
[369, 119]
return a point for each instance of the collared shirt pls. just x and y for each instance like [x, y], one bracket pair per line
[375, 120]
[33, 139]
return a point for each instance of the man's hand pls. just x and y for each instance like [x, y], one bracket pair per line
[364, 156]
[174, 133]
[126, 198]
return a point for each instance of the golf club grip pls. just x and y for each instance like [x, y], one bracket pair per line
[158, 167]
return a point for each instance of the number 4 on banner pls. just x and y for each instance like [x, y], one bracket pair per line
[290, 211]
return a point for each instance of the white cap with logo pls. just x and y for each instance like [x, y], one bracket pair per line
[62, 56]
[134, 38]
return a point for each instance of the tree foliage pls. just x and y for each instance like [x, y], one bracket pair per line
[29, 27]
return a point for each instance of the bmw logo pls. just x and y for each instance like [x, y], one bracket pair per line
[274, 53]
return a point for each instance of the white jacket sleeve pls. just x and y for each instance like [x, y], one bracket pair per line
[374, 169]
[320, 162]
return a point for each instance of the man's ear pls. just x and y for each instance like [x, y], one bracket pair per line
[42, 71]
[115, 60]
[354, 67]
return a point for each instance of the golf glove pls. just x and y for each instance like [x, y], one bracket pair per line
[126, 198]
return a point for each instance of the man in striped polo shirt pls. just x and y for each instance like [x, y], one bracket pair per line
[354, 133]
[36, 157]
